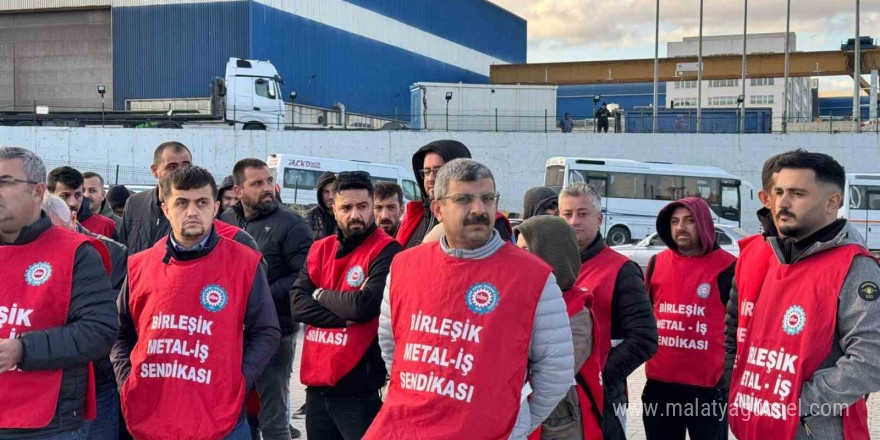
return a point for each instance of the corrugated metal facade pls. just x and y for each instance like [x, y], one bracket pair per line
[842, 106]
[173, 51]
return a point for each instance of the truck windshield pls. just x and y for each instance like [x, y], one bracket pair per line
[264, 88]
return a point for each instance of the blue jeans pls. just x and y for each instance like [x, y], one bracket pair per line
[106, 424]
[274, 388]
[241, 432]
[76, 434]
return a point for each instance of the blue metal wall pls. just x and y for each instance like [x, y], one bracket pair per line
[842, 106]
[324, 64]
[578, 100]
[478, 24]
[717, 120]
[173, 51]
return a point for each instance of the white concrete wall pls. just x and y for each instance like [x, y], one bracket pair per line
[517, 159]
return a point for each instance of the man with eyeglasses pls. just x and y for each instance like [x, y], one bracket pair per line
[338, 295]
[418, 220]
[57, 309]
[476, 329]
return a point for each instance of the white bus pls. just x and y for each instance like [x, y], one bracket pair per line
[861, 206]
[634, 192]
[297, 176]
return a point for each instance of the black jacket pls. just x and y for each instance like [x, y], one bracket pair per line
[284, 240]
[87, 336]
[261, 332]
[105, 379]
[334, 309]
[632, 322]
[143, 223]
[320, 218]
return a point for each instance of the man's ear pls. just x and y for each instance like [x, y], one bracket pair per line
[435, 209]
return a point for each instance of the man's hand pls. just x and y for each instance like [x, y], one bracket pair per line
[10, 354]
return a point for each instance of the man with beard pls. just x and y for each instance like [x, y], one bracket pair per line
[93, 185]
[225, 195]
[387, 204]
[192, 339]
[686, 371]
[67, 183]
[338, 295]
[284, 239]
[320, 218]
[815, 315]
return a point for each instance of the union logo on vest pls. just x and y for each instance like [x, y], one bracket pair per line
[355, 276]
[794, 319]
[38, 273]
[482, 298]
[213, 298]
[703, 290]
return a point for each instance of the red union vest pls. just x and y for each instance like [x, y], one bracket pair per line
[590, 397]
[226, 230]
[98, 224]
[330, 353]
[461, 333]
[415, 211]
[751, 269]
[186, 379]
[35, 295]
[690, 318]
[599, 275]
[788, 337]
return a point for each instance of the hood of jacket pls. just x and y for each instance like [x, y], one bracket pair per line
[551, 239]
[537, 200]
[325, 178]
[702, 217]
[447, 149]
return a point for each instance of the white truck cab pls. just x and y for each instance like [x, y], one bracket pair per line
[253, 95]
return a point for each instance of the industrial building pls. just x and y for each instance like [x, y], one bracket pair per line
[363, 54]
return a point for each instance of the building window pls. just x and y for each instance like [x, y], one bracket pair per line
[761, 99]
[685, 84]
[762, 81]
[684, 102]
[722, 100]
[724, 83]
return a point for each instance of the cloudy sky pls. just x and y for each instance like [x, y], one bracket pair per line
[576, 30]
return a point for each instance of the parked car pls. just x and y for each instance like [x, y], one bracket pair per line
[726, 237]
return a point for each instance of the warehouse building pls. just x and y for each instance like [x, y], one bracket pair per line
[363, 54]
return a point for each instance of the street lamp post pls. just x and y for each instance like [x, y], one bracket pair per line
[101, 91]
[656, 67]
[448, 98]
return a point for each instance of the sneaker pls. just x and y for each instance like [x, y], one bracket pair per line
[300, 413]
[294, 433]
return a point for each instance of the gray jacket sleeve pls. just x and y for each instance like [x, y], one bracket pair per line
[91, 320]
[551, 356]
[261, 330]
[731, 322]
[858, 334]
[386, 338]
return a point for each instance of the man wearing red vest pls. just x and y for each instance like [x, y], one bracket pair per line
[812, 343]
[418, 220]
[338, 295]
[56, 310]
[689, 284]
[579, 415]
[192, 339]
[473, 330]
[67, 183]
[619, 301]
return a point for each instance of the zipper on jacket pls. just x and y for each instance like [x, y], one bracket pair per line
[807, 429]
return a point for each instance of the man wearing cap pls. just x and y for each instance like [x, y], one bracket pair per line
[93, 186]
[418, 220]
[192, 340]
[57, 309]
[338, 295]
[475, 350]
[689, 286]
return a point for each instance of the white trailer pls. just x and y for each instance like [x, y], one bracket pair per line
[482, 107]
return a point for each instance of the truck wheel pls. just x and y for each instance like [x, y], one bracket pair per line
[25, 124]
[617, 236]
[254, 126]
[169, 125]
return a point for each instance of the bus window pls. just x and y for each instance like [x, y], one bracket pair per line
[703, 187]
[857, 197]
[300, 179]
[554, 177]
[730, 203]
[659, 187]
[597, 179]
[627, 186]
[410, 190]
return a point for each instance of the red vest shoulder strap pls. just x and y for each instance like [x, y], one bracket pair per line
[414, 212]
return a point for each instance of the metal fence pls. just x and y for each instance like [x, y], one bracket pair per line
[112, 174]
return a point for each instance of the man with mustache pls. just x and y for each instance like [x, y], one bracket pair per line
[473, 329]
[338, 294]
[816, 312]
[67, 183]
[686, 371]
[284, 239]
[388, 205]
[620, 303]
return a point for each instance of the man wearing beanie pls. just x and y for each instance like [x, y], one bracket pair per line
[320, 218]
[689, 286]
[418, 220]
[576, 417]
[540, 200]
[116, 198]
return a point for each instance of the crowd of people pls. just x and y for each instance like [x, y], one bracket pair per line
[433, 320]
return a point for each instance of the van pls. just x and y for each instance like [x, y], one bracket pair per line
[297, 176]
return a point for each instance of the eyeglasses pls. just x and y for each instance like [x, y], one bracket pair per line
[467, 199]
[6, 182]
[429, 171]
